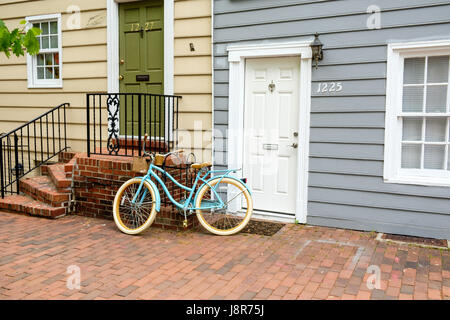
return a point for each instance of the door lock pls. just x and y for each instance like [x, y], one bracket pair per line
[122, 61]
[121, 77]
[294, 145]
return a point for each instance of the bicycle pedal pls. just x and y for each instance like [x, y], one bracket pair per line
[185, 223]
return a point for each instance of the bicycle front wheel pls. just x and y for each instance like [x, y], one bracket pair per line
[134, 218]
[237, 210]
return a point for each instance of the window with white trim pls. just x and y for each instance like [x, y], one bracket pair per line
[418, 114]
[45, 69]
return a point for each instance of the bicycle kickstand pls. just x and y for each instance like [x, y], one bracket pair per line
[185, 223]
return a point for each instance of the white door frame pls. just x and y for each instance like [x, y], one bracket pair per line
[112, 8]
[236, 59]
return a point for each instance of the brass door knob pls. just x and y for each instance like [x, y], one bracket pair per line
[121, 77]
[122, 61]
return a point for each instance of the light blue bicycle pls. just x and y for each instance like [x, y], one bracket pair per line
[223, 203]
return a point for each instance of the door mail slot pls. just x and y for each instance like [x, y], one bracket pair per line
[142, 77]
[268, 146]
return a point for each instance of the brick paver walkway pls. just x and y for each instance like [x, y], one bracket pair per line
[299, 262]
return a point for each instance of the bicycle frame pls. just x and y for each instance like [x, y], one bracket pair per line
[199, 178]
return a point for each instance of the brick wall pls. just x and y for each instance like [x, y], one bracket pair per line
[97, 179]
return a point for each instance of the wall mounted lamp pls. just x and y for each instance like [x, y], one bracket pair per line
[316, 47]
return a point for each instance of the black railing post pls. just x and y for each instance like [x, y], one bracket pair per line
[88, 127]
[2, 181]
[16, 160]
[139, 125]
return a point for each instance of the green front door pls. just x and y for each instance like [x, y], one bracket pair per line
[141, 65]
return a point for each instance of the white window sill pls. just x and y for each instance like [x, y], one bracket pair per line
[46, 86]
[422, 181]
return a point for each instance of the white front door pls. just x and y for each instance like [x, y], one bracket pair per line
[271, 132]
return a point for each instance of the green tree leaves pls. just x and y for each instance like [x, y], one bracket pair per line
[18, 40]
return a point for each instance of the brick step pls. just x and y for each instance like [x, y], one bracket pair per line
[25, 204]
[68, 167]
[65, 157]
[59, 176]
[42, 189]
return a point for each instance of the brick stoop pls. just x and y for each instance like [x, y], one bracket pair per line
[87, 186]
[43, 189]
[48, 195]
[25, 204]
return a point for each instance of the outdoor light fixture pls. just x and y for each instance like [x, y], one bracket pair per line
[316, 48]
[191, 45]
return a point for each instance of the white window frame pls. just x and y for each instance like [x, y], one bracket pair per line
[33, 81]
[393, 173]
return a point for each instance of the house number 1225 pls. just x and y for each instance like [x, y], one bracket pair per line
[325, 87]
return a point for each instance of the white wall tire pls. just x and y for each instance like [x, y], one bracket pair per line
[233, 229]
[150, 211]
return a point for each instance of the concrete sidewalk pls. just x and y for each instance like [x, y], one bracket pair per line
[40, 257]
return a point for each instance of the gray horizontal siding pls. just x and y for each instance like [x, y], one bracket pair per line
[346, 187]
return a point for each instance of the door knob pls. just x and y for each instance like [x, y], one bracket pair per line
[294, 145]
[122, 61]
[121, 77]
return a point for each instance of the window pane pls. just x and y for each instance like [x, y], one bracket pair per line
[54, 41]
[56, 58]
[412, 129]
[48, 73]
[40, 59]
[40, 72]
[414, 71]
[56, 72]
[44, 27]
[434, 157]
[45, 42]
[438, 69]
[49, 59]
[36, 25]
[413, 99]
[436, 98]
[53, 27]
[435, 129]
[411, 154]
[448, 159]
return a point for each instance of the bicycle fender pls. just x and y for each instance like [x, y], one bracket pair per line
[157, 195]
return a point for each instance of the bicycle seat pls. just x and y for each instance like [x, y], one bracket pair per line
[201, 165]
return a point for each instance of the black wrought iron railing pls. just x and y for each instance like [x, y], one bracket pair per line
[31, 145]
[117, 123]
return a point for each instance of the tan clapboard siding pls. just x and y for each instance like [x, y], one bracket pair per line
[71, 71]
[84, 37]
[88, 20]
[44, 100]
[195, 103]
[84, 56]
[193, 84]
[192, 65]
[193, 74]
[74, 115]
[192, 9]
[32, 8]
[196, 27]
[76, 85]
[202, 46]
[195, 121]
[70, 54]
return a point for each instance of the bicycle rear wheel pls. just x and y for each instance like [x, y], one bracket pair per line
[236, 213]
[134, 218]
